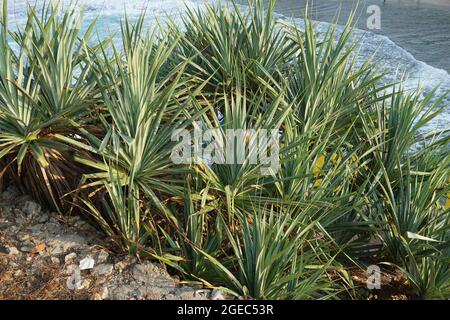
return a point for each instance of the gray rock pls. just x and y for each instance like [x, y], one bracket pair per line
[12, 251]
[53, 228]
[61, 245]
[74, 281]
[122, 292]
[26, 248]
[102, 256]
[149, 276]
[104, 269]
[31, 208]
[36, 229]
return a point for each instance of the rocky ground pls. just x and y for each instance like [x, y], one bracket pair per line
[46, 256]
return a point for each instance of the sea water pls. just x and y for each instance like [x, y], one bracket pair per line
[395, 59]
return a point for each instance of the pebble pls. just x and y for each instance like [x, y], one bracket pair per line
[70, 257]
[12, 251]
[87, 263]
[55, 260]
[104, 269]
[74, 282]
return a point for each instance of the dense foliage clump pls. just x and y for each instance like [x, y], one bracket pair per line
[88, 127]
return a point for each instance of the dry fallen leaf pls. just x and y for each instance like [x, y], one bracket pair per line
[39, 248]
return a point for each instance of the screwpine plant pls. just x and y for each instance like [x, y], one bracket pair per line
[220, 42]
[45, 87]
[142, 107]
[357, 180]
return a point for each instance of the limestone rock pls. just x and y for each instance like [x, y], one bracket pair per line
[87, 263]
[12, 251]
[70, 257]
[104, 269]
